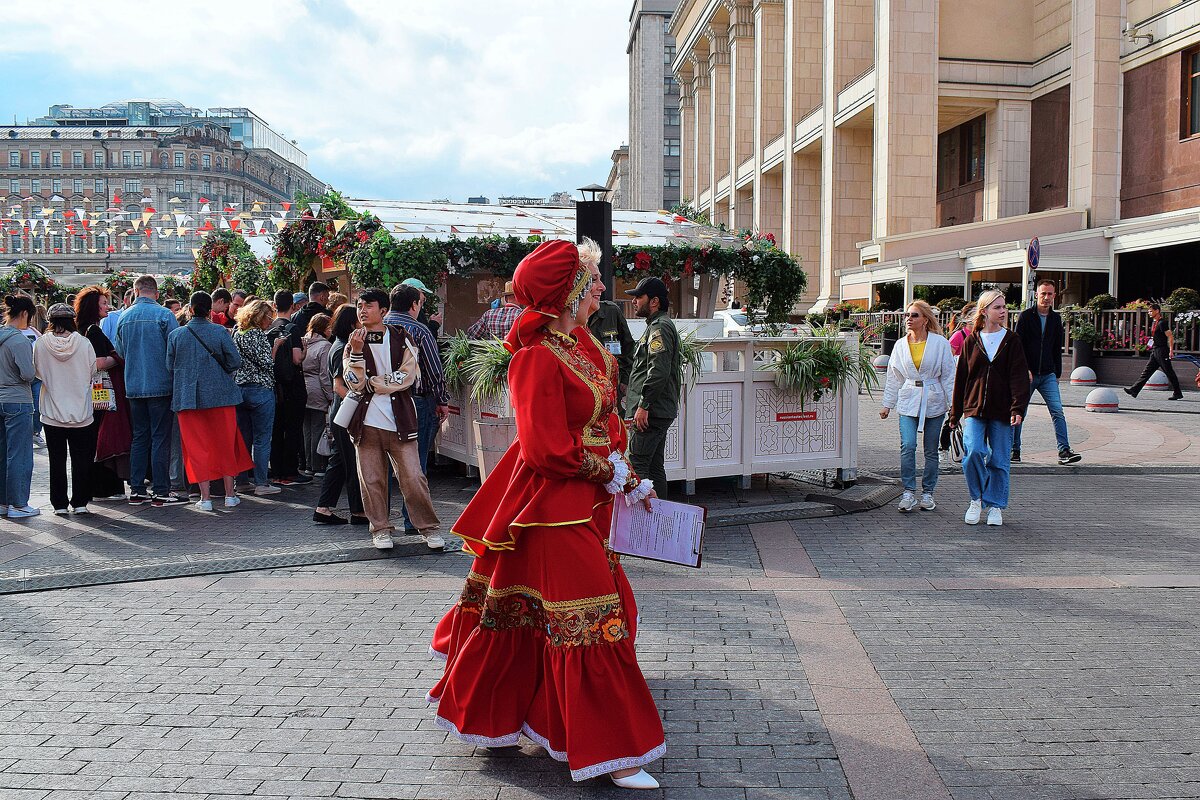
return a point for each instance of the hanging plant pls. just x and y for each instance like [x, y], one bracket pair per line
[812, 368]
[118, 283]
[487, 370]
[33, 279]
[220, 254]
[171, 287]
[280, 273]
[248, 275]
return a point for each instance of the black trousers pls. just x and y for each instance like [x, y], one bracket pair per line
[287, 437]
[647, 452]
[341, 470]
[1160, 358]
[80, 443]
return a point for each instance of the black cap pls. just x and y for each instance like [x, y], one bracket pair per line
[650, 286]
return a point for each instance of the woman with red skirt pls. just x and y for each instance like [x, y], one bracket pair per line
[202, 358]
[541, 642]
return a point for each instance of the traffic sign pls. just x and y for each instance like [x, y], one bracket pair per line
[1033, 253]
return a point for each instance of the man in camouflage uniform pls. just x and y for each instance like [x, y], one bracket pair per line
[608, 324]
[654, 383]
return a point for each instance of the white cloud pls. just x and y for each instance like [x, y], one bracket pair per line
[376, 91]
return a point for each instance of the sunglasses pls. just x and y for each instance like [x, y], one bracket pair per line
[914, 316]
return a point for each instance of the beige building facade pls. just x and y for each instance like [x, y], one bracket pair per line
[652, 178]
[922, 144]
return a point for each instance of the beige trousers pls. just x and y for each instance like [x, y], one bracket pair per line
[376, 448]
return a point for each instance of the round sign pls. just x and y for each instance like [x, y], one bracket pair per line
[1033, 253]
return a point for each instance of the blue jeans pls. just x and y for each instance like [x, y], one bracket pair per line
[36, 386]
[150, 450]
[16, 442]
[427, 427]
[989, 444]
[256, 419]
[908, 452]
[176, 472]
[1048, 386]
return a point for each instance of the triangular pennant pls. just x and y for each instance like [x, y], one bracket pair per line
[195, 254]
[286, 206]
[315, 208]
[147, 216]
[338, 224]
[234, 224]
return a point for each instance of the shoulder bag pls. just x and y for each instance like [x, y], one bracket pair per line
[204, 344]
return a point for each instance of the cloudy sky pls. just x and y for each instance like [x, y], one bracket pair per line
[392, 99]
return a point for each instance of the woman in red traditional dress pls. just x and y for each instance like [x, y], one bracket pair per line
[541, 642]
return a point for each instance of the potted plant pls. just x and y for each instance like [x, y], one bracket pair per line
[487, 370]
[889, 334]
[1102, 302]
[1084, 336]
[810, 369]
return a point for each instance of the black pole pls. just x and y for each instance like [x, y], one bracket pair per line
[593, 219]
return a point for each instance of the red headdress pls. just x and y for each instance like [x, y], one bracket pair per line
[545, 282]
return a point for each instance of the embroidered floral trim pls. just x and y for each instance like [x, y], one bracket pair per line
[595, 469]
[567, 623]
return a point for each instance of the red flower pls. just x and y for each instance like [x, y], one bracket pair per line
[642, 261]
[824, 381]
[362, 236]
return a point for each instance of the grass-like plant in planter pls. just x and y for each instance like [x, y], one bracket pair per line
[487, 369]
[812, 368]
[454, 360]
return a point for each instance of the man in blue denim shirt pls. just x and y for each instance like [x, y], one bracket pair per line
[142, 342]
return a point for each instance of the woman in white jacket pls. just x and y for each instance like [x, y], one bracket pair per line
[920, 386]
[65, 361]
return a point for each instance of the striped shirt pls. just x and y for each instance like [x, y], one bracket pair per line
[433, 379]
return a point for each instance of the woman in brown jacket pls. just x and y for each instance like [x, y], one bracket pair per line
[991, 390]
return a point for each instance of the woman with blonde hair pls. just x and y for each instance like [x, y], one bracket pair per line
[256, 380]
[960, 325]
[920, 383]
[991, 390]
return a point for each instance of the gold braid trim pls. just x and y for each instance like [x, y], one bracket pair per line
[511, 544]
[595, 469]
[583, 279]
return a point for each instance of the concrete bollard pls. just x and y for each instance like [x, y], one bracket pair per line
[1083, 376]
[1157, 382]
[1103, 400]
[880, 362]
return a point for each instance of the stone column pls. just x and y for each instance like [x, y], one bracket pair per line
[769, 92]
[1096, 85]
[687, 139]
[703, 98]
[906, 112]
[719, 108]
[741, 96]
[1006, 160]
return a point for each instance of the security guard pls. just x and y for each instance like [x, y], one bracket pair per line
[654, 383]
[608, 324]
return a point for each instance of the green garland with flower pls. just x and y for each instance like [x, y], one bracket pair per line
[118, 283]
[319, 234]
[221, 253]
[33, 278]
[384, 261]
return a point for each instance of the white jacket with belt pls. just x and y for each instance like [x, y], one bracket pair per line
[922, 393]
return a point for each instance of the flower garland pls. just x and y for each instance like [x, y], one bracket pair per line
[118, 283]
[34, 279]
[220, 254]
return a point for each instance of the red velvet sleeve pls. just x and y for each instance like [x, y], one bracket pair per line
[548, 446]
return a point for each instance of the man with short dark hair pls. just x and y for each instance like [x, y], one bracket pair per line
[173, 305]
[381, 365]
[1040, 330]
[1162, 350]
[141, 341]
[290, 396]
[235, 305]
[221, 298]
[654, 383]
[318, 300]
[430, 396]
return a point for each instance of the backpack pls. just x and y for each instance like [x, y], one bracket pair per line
[286, 371]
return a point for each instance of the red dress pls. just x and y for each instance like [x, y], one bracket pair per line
[541, 642]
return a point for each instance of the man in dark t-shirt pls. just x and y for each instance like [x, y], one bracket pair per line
[1161, 353]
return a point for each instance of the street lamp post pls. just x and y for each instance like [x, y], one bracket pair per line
[593, 219]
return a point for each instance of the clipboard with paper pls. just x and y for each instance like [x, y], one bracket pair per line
[670, 532]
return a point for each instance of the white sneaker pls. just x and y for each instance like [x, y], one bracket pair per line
[204, 505]
[38, 441]
[20, 512]
[995, 517]
[927, 503]
[908, 501]
[233, 502]
[638, 780]
[944, 460]
[61, 512]
[80, 510]
[435, 542]
[266, 489]
[974, 511]
[382, 540]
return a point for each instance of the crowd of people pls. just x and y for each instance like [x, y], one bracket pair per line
[158, 403]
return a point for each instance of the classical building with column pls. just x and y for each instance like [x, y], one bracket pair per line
[915, 147]
[653, 175]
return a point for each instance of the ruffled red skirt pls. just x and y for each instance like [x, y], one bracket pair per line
[541, 643]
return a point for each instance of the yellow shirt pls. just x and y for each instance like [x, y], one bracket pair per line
[918, 352]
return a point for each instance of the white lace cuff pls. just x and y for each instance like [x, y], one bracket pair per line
[620, 474]
[639, 492]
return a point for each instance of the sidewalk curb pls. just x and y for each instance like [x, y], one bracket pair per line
[864, 496]
[1081, 469]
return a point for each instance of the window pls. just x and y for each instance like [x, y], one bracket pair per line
[207, 188]
[137, 158]
[99, 187]
[77, 186]
[56, 241]
[960, 155]
[79, 244]
[206, 161]
[179, 160]
[972, 151]
[1191, 93]
[56, 185]
[56, 158]
[668, 54]
[133, 186]
[14, 158]
[126, 158]
[670, 86]
[97, 158]
[35, 158]
[670, 147]
[35, 186]
[14, 186]
[77, 159]
[15, 247]
[179, 187]
[670, 116]
[671, 179]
